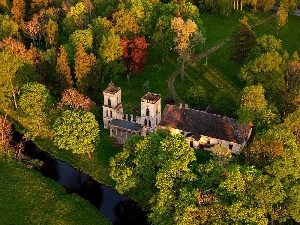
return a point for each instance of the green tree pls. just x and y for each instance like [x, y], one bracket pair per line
[35, 109]
[292, 123]
[196, 96]
[162, 35]
[77, 132]
[160, 165]
[255, 109]
[110, 47]
[10, 65]
[8, 28]
[82, 37]
[100, 28]
[243, 40]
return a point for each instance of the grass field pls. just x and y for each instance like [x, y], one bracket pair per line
[29, 198]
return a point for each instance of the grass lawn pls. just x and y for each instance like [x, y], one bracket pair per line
[289, 34]
[29, 198]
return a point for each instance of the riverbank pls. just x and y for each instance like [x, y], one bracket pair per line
[29, 198]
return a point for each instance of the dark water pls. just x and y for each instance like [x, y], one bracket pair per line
[116, 207]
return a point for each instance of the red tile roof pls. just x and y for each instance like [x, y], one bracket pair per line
[203, 123]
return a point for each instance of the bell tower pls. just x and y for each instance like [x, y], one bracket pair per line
[150, 111]
[112, 105]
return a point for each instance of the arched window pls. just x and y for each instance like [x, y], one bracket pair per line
[145, 122]
[106, 113]
[147, 112]
[149, 123]
[109, 102]
[191, 143]
[110, 113]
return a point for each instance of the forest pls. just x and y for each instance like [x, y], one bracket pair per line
[239, 57]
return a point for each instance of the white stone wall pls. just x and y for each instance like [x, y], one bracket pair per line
[154, 113]
[115, 98]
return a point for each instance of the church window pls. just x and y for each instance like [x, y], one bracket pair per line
[191, 143]
[106, 113]
[149, 123]
[110, 113]
[145, 122]
[147, 112]
[109, 102]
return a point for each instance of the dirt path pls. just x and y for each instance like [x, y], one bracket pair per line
[201, 56]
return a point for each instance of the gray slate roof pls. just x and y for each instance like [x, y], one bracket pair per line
[203, 123]
[128, 125]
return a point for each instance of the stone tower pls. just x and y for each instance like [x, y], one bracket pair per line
[112, 105]
[150, 111]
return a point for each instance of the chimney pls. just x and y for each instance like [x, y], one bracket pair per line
[186, 106]
[180, 105]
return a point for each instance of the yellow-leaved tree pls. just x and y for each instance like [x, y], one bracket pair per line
[187, 36]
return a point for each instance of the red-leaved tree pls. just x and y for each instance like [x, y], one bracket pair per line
[134, 54]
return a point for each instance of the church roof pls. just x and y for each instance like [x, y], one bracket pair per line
[151, 97]
[112, 89]
[128, 125]
[203, 123]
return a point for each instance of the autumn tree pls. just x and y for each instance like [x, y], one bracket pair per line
[51, 33]
[35, 107]
[77, 132]
[74, 100]
[64, 78]
[134, 54]
[187, 35]
[243, 40]
[285, 7]
[125, 24]
[18, 11]
[34, 29]
[83, 66]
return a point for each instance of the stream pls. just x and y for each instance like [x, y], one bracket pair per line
[119, 209]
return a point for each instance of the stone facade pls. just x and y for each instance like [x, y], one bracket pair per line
[122, 126]
[200, 128]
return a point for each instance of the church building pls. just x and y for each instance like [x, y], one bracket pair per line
[200, 128]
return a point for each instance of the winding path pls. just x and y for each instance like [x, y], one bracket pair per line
[201, 56]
